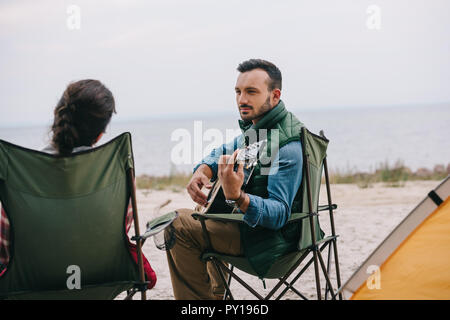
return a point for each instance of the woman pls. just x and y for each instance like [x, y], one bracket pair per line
[80, 119]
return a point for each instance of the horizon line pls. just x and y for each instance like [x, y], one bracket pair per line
[207, 114]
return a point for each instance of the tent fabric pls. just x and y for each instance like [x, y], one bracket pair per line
[416, 263]
[420, 267]
[67, 211]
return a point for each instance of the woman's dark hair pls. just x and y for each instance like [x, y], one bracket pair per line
[81, 115]
[271, 69]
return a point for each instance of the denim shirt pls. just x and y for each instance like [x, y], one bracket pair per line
[283, 182]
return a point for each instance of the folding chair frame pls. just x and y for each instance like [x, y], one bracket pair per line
[142, 284]
[317, 257]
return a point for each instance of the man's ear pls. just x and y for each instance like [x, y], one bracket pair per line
[276, 96]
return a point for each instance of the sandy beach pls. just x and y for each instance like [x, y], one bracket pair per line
[363, 219]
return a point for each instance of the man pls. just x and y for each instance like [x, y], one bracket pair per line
[267, 201]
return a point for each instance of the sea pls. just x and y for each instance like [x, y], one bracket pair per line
[361, 139]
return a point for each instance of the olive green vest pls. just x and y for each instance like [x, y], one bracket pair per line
[263, 246]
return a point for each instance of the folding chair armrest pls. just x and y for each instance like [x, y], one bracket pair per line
[157, 225]
[225, 217]
[297, 216]
[144, 236]
[239, 217]
[327, 207]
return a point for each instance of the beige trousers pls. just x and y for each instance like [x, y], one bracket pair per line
[192, 278]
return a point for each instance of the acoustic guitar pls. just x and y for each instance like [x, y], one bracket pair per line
[216, 198]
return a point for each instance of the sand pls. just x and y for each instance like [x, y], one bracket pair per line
[363, 219]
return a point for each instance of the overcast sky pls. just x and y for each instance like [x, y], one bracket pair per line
[179, 57]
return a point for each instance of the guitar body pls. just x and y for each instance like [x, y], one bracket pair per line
[216, 200]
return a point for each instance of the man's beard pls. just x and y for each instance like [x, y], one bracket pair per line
[266, 106]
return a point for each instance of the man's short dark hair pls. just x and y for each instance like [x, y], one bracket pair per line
[271, 69]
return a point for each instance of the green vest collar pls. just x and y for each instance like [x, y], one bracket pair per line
[270, 119]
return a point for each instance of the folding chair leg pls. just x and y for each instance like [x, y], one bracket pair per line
[242, 282]
[288, 285]
[338, 273]
[333, 231]
[295, 266]
[316, 273]
[327, 278]
[227, 290]
[130, 294]
[218, 266]
[291, 284]
[327, 289]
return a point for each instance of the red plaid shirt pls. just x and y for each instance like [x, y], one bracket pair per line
[4, 240]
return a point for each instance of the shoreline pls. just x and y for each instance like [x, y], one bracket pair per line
[395, 175]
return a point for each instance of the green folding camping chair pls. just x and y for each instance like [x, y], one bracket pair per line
[311, 239]
[67, 218]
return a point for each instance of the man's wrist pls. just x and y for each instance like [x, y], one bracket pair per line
[241, 198]
[206, 170]
[238, 200]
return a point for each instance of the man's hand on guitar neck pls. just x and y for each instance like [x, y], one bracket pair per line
[201, 178]
[232, 180]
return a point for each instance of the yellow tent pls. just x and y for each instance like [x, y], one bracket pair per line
[413, 262]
